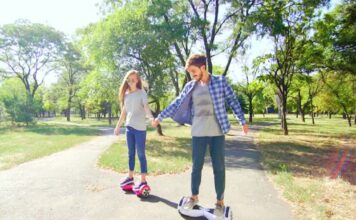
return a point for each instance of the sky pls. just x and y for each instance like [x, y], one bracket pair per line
[64, 15]
[69, 15]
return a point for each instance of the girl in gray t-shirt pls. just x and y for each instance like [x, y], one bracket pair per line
[134, 108]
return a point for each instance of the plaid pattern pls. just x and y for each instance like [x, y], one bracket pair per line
[220, 92]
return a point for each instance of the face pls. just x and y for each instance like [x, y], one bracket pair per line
[195, 72]
[132, 80]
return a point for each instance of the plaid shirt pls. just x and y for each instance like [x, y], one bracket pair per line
[181, 109]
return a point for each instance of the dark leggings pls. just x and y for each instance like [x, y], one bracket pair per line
[217, 154]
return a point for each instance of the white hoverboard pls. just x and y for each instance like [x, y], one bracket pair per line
[200, 211]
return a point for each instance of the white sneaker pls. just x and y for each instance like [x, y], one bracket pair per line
[219, 211]
[190, 203]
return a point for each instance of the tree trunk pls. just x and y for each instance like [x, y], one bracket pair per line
[110, 114]
[284, 114]
[279, 104]
[159, 130]
[299, 106]
[349, 120]
[175, 81]
[346, 115]
[312, 110]
[155, 114]
[68, 110]
[250, 108]
[82, 111]
[285, 125]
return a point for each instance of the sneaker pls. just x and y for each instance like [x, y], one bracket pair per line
[190, 203]
[138, 186]
[127, 181]
[219, 211]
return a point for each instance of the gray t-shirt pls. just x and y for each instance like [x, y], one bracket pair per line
[204, 119]
[134, 105]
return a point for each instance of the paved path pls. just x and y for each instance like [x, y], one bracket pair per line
[68, 185]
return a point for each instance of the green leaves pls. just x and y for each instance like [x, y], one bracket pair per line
[19, 105]
[336, 34]
[28, 51]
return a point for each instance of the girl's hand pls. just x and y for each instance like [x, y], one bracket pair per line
[245, 129]
[155, 123]
[152, 121]
[117, 131]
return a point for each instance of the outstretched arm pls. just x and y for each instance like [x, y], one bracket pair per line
[148, 111]
[234, 103]
[121, 120]
[172, 108]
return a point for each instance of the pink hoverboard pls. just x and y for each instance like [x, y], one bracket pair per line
[143, 191]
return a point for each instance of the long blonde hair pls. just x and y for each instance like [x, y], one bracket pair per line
[125, 86]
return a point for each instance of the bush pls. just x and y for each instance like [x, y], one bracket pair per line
[18, 104]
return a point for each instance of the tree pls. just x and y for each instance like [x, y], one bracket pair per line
[251, 87]
[126, 40]
[29, 51]
[298, 91]
[305, 88]
[210, 18]
[173, 22]
[342, 88]
[327, 102]
[334, 39]
[264, 100]
[334, 53]
[18, 104]
[71, 74]
[98, 91]
[2, 112]
[216, 26]
[286, 23]
[314, 85]
[50, 101]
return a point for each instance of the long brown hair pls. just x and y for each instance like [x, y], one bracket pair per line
[125, 86]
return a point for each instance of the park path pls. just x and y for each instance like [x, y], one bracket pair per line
[68, 185]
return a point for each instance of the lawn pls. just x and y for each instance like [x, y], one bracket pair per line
[314, 166]
[76, 120]
[22, 144]
[168, 154]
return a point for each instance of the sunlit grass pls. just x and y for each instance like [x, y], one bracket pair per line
[300, 164]
[165, 154]
[76, 120]
[22, 144]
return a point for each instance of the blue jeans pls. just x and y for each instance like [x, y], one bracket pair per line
[217, 154]
[136, 138]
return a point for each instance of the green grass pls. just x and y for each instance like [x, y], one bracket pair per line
[22, 144]
[76, 120]
[300, 165]
[168, 154]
